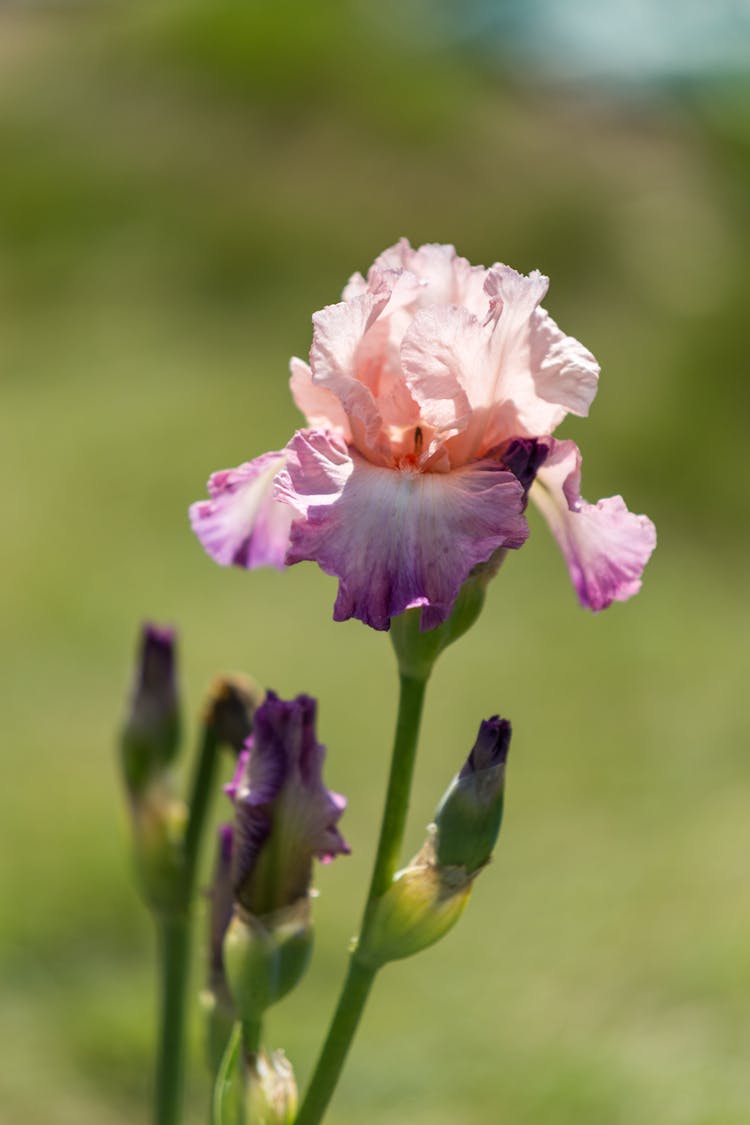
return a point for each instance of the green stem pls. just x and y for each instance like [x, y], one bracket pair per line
[174, 943]
[251, 1036]
[360, 976]
[201, 790]
[411, 700]
[174, 940]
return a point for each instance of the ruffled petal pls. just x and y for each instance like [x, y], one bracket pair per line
[243, 524]
[565, 373]
[605, 546]
[394, 538]
[319, 405]
[446, 278]
[439, 354]
[338, 333]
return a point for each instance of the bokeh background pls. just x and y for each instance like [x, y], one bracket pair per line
[181, 186]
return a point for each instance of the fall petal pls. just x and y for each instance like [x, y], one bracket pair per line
[243, 524]
[396, 539]
[605, 546]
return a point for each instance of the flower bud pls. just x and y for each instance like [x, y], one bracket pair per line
[151, 733]
[264, 958]
[271, 1090]
[284, 815]
[469, 816]
[427, 898]
[284, 818]
[232, 703]
[421, 905]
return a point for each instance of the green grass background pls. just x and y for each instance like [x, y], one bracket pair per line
[180, 188]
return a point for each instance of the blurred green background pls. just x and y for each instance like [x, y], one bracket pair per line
[181, 186]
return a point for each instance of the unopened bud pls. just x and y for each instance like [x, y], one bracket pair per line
[232, 703]
[271, 1090]
[469, 816]
[427, 898]
[264, 958]
[285, 817]
[151, 733]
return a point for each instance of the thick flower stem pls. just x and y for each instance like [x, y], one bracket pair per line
[174, 949]
[360, 976]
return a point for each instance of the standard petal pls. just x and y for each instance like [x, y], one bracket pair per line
[394, 538]
[243, 524]
[605, 546]
[446, 278]
[439, 354]
[338, 333]
[319, 405]
[564, 372]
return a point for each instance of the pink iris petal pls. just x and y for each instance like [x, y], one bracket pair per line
[564, 371]
[439, 354]
[243, 524]
[396, 538]
[337, 337]
[537, 374]
[447, 278]
[605, 546]
[320, 406]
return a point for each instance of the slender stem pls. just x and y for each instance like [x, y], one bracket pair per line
[251, 1035]
[411, 700]
[174, 943]
[201, 790]
[174, 939]
[360, 976]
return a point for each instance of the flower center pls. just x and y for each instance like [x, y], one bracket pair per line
[410, 461]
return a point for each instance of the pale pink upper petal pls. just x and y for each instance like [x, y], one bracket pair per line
[243, 524]
[319, 405]
[396, 539]
[378, 360]
[337, 337]
[563, 370]
[534, 374]
[605, 546]
[439, 356]
[446, 278]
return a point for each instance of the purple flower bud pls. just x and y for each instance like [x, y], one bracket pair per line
[285, 816]
[469, 816]
[232, 702]
[151, 734]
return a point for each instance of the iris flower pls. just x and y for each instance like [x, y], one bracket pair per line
[431, 395]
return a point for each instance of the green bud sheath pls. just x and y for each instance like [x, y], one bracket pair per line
[422, 904]
[264, 958]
